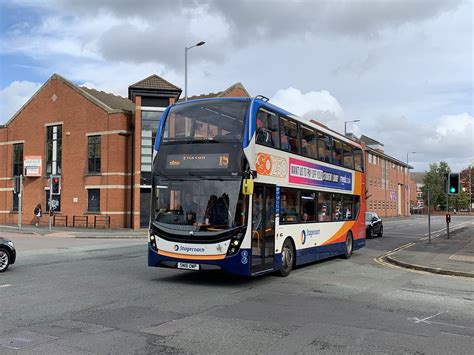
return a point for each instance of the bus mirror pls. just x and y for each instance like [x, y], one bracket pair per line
[247, 187]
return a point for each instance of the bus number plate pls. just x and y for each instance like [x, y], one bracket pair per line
[188, 266]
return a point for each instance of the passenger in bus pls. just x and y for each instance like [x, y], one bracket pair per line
[304, 146]
[263, 133]
[348, 213]
[210, 203]
[322, 155]
[220, 212]
[284, 142]
[305, 217]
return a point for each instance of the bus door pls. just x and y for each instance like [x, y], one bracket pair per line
[263, 227]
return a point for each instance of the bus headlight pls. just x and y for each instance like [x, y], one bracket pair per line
[153, 242]
[235, 242]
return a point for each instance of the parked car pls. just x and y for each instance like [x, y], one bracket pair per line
[7, 254]
[373, 225]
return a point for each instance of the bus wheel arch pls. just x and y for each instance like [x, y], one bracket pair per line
[288, 257]
[348, 245]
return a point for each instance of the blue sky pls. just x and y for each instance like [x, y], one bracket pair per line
[404, 68]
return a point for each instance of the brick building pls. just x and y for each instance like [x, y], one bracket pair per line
[390, 189]
[100, 144]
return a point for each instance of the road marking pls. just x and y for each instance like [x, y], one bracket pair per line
[7, 285]
[429, 322]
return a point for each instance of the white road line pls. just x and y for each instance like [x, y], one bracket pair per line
[7, 285]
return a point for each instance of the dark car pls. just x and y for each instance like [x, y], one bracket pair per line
[7, 254]
[373, 225]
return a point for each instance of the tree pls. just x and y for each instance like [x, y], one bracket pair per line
[434, 181]
[467, 177]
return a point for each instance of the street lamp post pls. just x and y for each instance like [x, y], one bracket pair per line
[345, 125]
[186, 68]
[408, 185]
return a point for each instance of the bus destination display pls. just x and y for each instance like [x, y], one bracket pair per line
[197, 161]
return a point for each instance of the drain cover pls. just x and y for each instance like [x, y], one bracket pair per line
[24, 339]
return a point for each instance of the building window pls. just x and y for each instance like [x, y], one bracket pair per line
[15, 202]
[54, 147]
[17, 159]
[150, 122]
[93, 149]
[93, 200]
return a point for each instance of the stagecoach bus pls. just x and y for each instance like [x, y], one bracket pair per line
[245, 187]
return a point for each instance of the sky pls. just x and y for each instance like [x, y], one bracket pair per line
[403, 68]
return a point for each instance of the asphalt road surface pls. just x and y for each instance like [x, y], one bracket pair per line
[68, 295]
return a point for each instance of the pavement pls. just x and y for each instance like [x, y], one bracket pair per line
[77, 232]
[454, 256]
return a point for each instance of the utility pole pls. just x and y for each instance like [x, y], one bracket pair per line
[20, 200]
[448, 217]
[429, 218]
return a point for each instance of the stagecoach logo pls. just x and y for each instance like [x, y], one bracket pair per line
[308, 233]
[187, 249]
[303, 236]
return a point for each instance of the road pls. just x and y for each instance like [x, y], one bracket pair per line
[98, 296]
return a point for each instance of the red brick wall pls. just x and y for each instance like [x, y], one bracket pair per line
[79, 116]
[388, 198]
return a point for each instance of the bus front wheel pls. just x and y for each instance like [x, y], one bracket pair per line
[287, 258]
[348, 246]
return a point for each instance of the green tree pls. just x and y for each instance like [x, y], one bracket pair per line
[434, 181]
[459, 201]
[467, 181]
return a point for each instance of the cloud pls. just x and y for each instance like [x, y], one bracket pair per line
[318, 105]
[124, 31]
[449, 138]
[14, 96]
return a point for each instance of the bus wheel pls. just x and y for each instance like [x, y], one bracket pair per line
[287, 258]
[348, 246]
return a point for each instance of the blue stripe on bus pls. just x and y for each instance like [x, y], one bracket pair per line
[235, 264]
[255, 105]
[309, 255]
[161, 126]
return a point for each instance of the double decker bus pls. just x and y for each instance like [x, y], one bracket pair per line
[243, 186]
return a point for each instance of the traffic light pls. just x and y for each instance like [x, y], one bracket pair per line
[453, 183]
[55, 185]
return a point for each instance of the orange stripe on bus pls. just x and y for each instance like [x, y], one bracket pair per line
[340, 235]
[191, 257]
[358, 184]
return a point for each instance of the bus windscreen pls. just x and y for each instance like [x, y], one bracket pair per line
[214, 120]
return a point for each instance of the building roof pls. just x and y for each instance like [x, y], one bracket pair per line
[386, 157]
[115, 102]
[156, 83]
[418, 177]
[99, 98]
[370, 141]
[224, 93]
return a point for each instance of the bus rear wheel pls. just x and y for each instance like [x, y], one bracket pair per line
[348, 246]
[287, 258]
